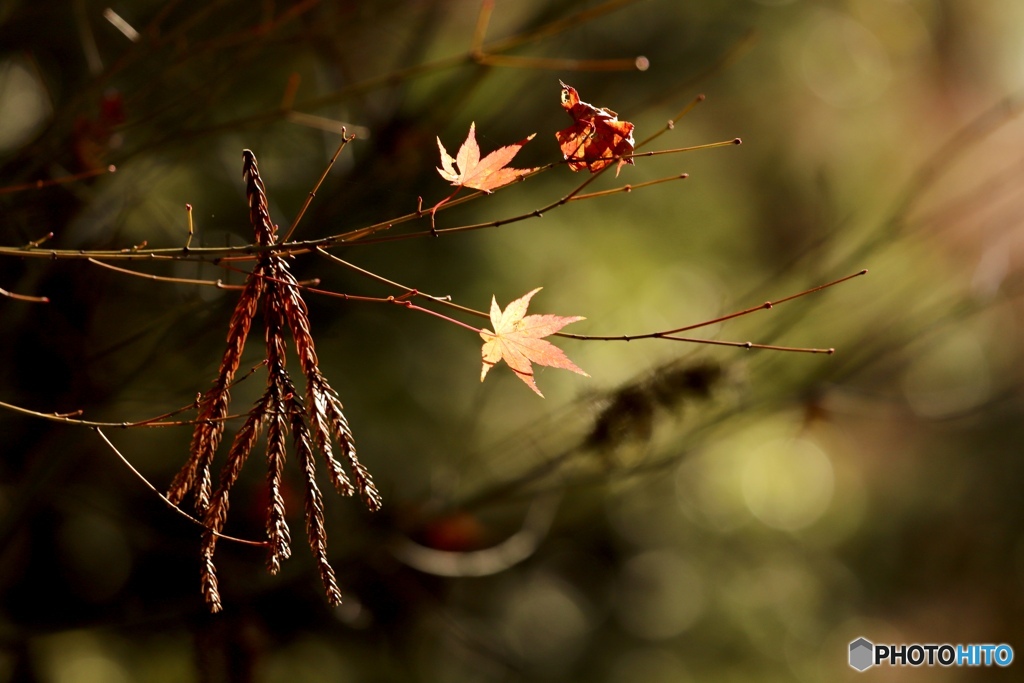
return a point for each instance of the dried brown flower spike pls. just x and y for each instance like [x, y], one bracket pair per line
[315, 421]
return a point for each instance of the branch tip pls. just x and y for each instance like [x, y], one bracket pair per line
[36, 243]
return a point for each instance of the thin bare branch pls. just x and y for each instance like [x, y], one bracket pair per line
[164, 498]
[672, 122]
[316, 188]
[219, 284]
[24, 297]
[638, 63]
[630, 188]
[672, 334]
[40, 184]
[156, 421]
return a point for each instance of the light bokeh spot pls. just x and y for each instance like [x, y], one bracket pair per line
[787, 483]
[24, 104]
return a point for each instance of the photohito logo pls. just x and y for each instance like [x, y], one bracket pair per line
[864, 654]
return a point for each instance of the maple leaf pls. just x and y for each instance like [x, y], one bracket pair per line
[485, 174]
[596, 136]
[517, 339]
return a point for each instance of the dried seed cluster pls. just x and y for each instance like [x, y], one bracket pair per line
[315, 421]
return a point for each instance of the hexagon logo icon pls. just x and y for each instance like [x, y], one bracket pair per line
[861, 654]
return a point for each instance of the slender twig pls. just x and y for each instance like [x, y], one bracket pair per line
[554, 64]
[309, 198]
[746, 345]
[672, 122]
[445, 301]
[163, 278]
[219, 284]
[35, 243]
[771, 304]
[40, 184]
[746, 311]
[629, 188]
[142, 478]
[24, 297]
[677, 150]
[156, 421]
[191, 227]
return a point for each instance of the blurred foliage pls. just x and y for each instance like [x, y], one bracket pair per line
[690, 513]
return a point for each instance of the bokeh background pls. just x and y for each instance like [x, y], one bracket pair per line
[688, 513]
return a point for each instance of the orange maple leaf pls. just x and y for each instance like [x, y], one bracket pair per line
[485, 174]
[596, 136]
[517, 339]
